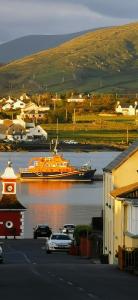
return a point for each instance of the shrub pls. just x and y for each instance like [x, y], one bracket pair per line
[81, 231]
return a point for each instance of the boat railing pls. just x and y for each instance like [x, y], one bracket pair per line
[24, 170]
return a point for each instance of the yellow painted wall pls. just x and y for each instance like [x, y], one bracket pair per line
[108, 217]
[131, 242]
[127, 172]
[124, 175]
[118, 225]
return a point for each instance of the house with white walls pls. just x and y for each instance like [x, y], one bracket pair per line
[33, 112]
[13, 130]
[36, 133]
[127, 109]
[7, 106]
[18, 104]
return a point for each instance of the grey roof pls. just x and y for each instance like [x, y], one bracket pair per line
[114, 164]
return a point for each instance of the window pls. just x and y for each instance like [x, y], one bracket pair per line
[132, 222]
[60, 237]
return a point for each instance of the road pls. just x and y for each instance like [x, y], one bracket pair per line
[28, 272]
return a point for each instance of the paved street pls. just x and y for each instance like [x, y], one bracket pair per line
[28, 272]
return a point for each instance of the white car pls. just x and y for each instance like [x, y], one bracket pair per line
[58, 242]
[1, 254]
[68, 228]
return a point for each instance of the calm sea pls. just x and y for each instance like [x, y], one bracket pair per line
[57, 203]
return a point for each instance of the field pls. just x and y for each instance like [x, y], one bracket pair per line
[97, 129]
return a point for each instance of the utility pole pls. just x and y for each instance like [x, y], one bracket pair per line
[57, 128]
[55, 99]
[127, 136]
[39, 100]
[74, 117]
[66, 114]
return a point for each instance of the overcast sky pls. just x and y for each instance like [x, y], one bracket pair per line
[24, 17]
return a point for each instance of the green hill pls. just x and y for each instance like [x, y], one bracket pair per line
[104, 60]
[30, 44]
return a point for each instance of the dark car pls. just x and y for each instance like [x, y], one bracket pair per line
[1, 253]
[42, 230]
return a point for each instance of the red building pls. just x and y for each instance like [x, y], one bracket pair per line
[11, 210]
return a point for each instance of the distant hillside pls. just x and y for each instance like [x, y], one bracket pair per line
[31, 44]
[103, 60]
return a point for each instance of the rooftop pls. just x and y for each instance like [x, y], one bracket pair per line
[124, 190]
[114, 164]
[10, 202]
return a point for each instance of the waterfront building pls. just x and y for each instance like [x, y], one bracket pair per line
[120, 182]
[11, 210]
[18, 130]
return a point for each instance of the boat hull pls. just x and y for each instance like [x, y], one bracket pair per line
[72, 176]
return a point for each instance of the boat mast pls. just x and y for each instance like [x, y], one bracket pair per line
[56, 143]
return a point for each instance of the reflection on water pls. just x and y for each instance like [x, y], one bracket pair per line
[44, 187]
[53, 214]
[57, 203]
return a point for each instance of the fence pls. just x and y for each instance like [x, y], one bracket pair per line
[128, 259]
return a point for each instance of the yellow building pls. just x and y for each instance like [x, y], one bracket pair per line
[120, 203]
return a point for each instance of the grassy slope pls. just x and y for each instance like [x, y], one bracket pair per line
[102, 60]
[30, 44]
[100, 129]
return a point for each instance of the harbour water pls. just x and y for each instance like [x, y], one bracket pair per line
[57, 203]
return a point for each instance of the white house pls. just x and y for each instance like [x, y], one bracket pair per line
[127, 109]
[7, 106]
[33, 111]
[78, 99]
[36, 133]
[9, 100]
[24, 97]
[18, 104]
[7, 103]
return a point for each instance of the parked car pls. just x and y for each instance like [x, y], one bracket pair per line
[58, 242]
[68, 228]
[42, 230]
[1, 254]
